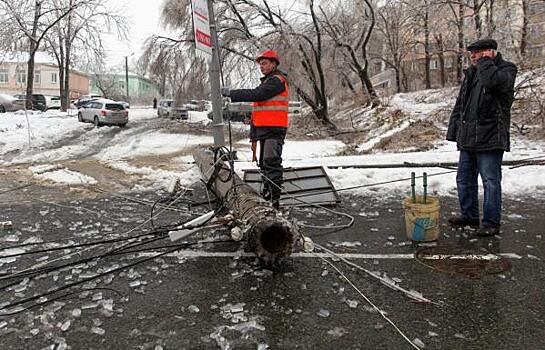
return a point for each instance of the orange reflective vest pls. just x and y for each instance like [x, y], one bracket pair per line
[274, 111]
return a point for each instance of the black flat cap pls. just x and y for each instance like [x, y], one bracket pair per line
[483, 44]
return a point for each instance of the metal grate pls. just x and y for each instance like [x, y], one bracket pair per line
[461, 261]
[302, 186]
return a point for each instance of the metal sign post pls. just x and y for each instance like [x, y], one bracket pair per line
[206, 42]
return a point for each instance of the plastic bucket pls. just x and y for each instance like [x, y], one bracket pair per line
[422, 219]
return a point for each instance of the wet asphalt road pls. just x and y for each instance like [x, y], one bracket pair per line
[176, 302]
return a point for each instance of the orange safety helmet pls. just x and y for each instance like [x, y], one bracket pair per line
[269, 54]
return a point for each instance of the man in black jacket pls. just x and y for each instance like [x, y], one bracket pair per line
[269, 121]
[479, 124]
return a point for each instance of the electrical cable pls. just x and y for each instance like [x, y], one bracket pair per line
[111, 252]
[175, 200]
[376, 308]
[84, 250]
[64, 297]
[18, 188]
[52, 249]
[85, 280]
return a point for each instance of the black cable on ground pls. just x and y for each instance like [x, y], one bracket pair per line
[18, 188]
[48, 269]
[85, 280]
[100, 256]
[64, 296]
[49, 250]
[74, 284]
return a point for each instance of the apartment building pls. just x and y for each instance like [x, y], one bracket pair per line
[13, 75]
[517, 25]
[114, 85]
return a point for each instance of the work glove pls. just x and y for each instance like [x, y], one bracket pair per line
[225, 91]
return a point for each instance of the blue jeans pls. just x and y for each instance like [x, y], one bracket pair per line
[488, 165]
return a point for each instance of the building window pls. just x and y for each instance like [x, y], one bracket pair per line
[21, 77]
[448, 62]
[434, 64]
[3, 76]
[54, 78]
[37, 77]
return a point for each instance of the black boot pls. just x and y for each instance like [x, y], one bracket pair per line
[276, 190]
[266, 191]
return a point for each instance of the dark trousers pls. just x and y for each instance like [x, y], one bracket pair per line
[270, 163]
[488, 166]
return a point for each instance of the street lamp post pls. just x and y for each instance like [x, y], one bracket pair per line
[127, 78]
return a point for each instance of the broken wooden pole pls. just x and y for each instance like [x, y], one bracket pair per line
[270, 236]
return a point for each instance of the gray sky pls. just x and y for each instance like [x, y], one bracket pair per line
[143, 17]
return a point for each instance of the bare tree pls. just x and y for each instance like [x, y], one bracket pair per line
[354, 39]
[247, 27]
[396, 27]
[77, 32]
[109, 86]
[34, 19]
[172, 62]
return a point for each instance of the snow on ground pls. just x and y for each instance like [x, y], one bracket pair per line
[54, 127]
[528, 179]
[401, 112]
[188, 175]
[20, 130]
[68, 177]
[149, 143]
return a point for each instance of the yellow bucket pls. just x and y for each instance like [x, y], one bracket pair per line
[422, 219]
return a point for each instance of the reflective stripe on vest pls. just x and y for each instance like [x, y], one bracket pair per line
[274, 111]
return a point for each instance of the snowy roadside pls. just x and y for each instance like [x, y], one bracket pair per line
[57, 136]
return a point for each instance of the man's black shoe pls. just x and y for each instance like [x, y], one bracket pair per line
[461, 222]
[487, 231]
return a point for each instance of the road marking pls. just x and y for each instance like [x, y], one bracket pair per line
[204, 254]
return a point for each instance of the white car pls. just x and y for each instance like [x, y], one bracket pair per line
[104, 112]
[53, 102]
[9, 103]
[164, 107]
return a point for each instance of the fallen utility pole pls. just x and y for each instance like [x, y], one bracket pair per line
[270, 236]
[515, 163]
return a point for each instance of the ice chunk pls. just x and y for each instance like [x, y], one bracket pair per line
[65, 325]
[98, 330]
[352, 303]
[323, 313]
[193, 309]
[419, 343]
[76, 312]
[337, 332]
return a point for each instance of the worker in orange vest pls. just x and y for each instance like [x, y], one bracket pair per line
[269, 121]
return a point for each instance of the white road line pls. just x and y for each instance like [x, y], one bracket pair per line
[203, 254]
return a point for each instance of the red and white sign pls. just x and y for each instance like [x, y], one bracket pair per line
[201, 26]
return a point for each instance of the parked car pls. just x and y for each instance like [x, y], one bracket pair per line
[104, 112]
[163, 107]
[195, 105]
[86, 98]
[54, 102]
[9, 103]
[295, 107]
[179, 113]
[39, 101]
[235, 112]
